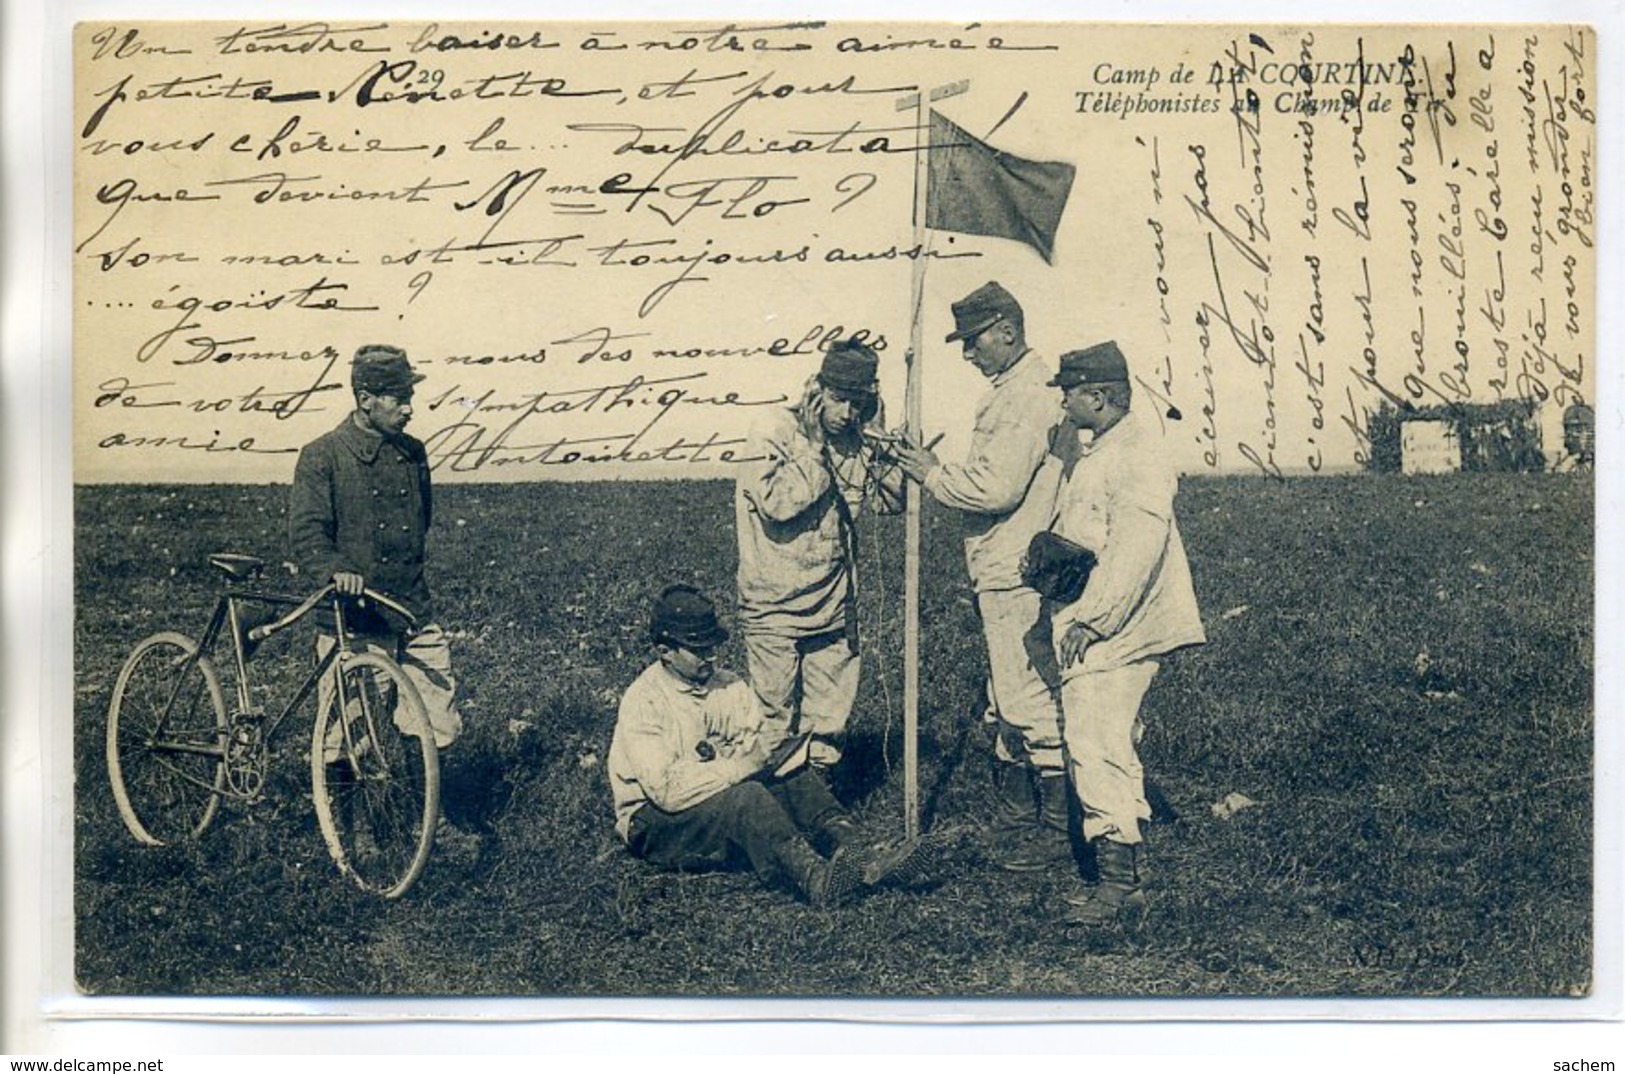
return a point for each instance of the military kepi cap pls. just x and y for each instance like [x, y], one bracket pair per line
[1579, 416]
[684, 615]
[982, 309]
[1101, 364]
[381, 369]
[850, 368]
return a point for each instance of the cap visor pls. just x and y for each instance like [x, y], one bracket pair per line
[973, 330]
[848, 392]
[705, 638]
[386, 387]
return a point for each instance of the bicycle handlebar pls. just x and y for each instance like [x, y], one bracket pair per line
[260, 633]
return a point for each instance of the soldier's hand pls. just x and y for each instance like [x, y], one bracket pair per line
[790, 755]
[917, 462]
[1065, 443]
[349, 583]
[1075, 644]
[812, 410]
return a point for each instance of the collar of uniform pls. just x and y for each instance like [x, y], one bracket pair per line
[362, 443]
[366, 444]
[683, 686]
[1117, 433]
[1009, 371]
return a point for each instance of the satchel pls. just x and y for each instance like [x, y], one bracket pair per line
[1056, 567]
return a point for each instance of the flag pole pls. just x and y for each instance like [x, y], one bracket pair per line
[913, 396]
[912, 409]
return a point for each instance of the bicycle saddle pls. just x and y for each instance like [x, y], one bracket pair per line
[237, 566]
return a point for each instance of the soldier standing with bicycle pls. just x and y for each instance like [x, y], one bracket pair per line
[358, 515]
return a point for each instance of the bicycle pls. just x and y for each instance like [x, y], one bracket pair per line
[174, 753]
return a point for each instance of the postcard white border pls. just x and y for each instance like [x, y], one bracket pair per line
[42, 1012]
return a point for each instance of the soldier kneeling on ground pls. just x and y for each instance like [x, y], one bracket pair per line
[703, 778]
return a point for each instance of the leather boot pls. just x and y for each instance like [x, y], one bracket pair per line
[1012, 794]
[1052, 801]
[822, 883]
[900, 863]
[1119, 896]
[1043, 845]
[833, 831]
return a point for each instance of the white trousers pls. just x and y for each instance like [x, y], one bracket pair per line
[1019, 669]
[1102, 726]
[810, 683]
[425, 658]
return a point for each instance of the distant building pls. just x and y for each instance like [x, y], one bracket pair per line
[1502, 436]
[1429, 446]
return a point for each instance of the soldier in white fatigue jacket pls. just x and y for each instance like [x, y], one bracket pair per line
[796, 514]
[1137, 606]
[1007, 495]
[704, 778]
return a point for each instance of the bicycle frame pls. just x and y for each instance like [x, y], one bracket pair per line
[228, 618]
[176, 749]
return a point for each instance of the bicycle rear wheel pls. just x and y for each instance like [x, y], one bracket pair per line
[166, 734]
[376, 775]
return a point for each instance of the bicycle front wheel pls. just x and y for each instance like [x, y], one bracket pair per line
[376, 775]
[166, 735]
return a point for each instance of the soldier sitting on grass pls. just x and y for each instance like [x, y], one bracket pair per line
[703, 778]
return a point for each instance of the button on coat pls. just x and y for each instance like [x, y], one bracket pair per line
[350, 510]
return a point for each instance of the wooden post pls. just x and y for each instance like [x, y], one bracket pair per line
[913, 396]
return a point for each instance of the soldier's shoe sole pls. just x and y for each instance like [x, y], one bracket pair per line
[844, 879]
[902, 865]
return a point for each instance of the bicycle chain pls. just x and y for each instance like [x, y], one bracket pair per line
[246, 755]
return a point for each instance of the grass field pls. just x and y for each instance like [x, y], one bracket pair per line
[1399, 674]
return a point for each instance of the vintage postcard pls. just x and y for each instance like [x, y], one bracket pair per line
[723, 509]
